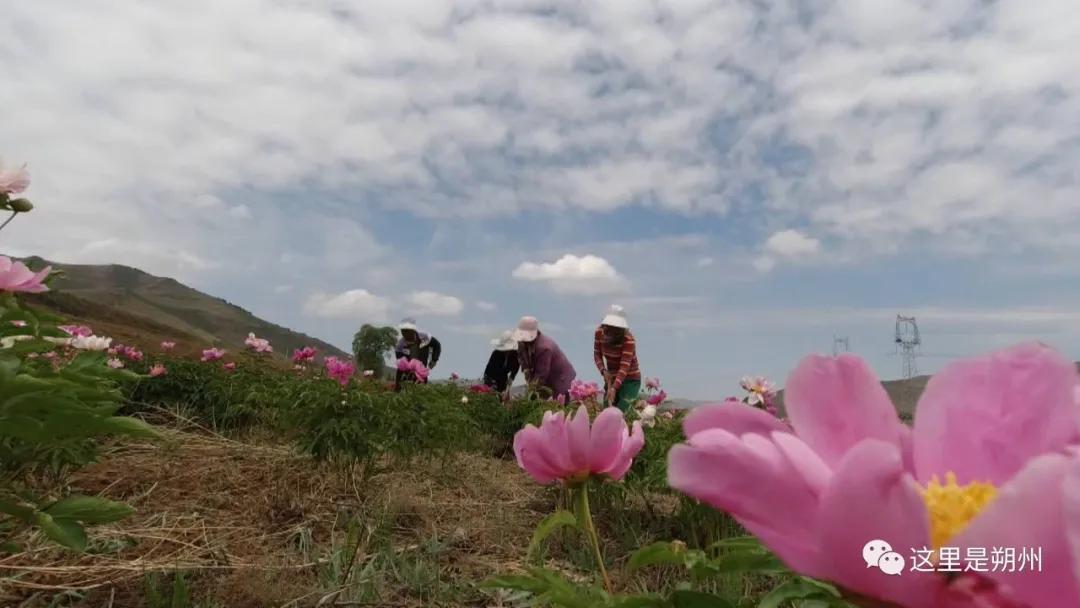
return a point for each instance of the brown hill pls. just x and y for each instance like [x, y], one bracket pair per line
[135, 307]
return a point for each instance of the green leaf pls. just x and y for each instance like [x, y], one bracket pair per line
[18, 511]
[126, 425]
[548, 525]
[697, 599]
[657, 553]
[640, 602]
[796, 589]
[516, 582]
[89, 509]
[63, 531]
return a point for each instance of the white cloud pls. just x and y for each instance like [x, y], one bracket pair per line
[240, 212]
[434, 303]
[570, 274]
[355, 304]
[764, 263]
[485, 306]
[867, 126]
[792, 244]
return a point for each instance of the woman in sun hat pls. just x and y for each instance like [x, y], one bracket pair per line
[415, 344]
[503, 366]
[542, 360]
[615, 353]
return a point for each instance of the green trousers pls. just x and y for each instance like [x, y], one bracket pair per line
[626, 395]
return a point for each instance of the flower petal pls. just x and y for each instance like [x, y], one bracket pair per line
[985, 418]
[1029, 513]
[631, 445]
[578, 439]
[606, 440]
[531, 455]
[872, 497]
[836, 402]
[736, 418]
[1071, 496]
[748, 477]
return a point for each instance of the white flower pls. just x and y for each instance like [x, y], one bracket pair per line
[115, 363]
[91, 342]
[10, 341]
[464, 399]
[648, 416]
[369, 373]
[753, 398]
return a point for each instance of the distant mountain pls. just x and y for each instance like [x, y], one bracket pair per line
[137, 308]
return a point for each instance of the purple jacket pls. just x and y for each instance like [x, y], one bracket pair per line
[544, 363]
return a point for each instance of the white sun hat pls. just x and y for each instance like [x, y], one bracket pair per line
[408, 323]
[527, 328]
[505, 341]
[616, 317]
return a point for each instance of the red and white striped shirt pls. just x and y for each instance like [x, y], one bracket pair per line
[620, 359]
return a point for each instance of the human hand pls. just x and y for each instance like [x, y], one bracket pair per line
[611, 396]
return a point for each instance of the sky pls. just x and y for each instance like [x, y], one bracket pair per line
[748, 179]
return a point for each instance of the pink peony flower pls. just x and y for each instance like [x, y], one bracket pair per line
[19, 323]
[212, 354]
[76, 330]
[481, 388]
[130, 353]
[413, 366]
[157, 370]
[303, 355]
[15, 276]
[758, 388]
[14, 181]
[259, 345]
[582, 391]
[230, 366]
[454, 377]
[657, 398]
[168, 345]
[115, 363]
[652, 384]
[987, 464]
[567, 449]
[339, 370]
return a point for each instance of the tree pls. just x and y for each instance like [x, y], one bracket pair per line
[370, 346]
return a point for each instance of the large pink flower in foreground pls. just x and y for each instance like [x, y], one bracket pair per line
[15, 276]
[413, 366]
[566, 448]
[988, 464]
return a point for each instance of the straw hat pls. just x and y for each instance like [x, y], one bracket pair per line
[616, 317]
[527, 329]
[505, 341]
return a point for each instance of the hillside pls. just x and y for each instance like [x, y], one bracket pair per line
[122, 299]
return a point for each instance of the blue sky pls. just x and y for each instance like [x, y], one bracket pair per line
[746, 179]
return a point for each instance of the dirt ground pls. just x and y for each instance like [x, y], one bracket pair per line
[256, 525]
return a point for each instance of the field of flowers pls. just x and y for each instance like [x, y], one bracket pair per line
[131, 476]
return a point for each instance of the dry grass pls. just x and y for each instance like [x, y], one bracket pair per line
[235, 515]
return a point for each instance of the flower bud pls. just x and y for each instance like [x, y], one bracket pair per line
[20, 205]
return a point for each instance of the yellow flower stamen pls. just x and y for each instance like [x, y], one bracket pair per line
[952, 506]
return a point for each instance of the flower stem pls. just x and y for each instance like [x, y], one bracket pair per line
[585, 516]
[8, 220]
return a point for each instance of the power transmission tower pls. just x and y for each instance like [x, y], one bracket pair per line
[908, 342]
[840, 345]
